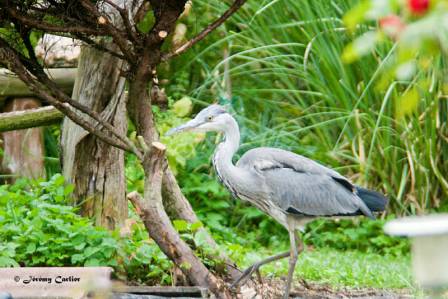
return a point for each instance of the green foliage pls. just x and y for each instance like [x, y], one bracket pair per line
[359, 234]
[148, 21]
[420, 36]
[196, 237]
[180, 147]
[140, 259]
[352, 269]
[37, 228]
[51, 159]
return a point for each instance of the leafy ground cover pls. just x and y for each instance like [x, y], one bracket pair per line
[39, 228]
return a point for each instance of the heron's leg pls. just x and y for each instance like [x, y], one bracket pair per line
[296, 248]
[248, 272]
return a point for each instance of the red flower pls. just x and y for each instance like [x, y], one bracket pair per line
[418, 7]
[392, 25]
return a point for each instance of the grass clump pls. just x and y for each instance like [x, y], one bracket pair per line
[290, 89]
[338, 269]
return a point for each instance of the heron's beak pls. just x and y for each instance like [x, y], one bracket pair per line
[182, 128]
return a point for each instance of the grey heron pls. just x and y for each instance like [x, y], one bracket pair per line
[290, 188]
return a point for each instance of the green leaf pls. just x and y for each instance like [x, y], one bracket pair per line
[31, 248]
[407, 103]
[195, 226]
[201, 239]
[8, 262]
[180, 225]
[80, 246]
[147, 22]
[91, 251]
[183, 107]
[92, 262]
[58, 180]
[76, 258]
[357, 14]
[69, 189]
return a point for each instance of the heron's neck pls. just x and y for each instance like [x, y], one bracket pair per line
[222, 158]
[231, 143]
[236, 179]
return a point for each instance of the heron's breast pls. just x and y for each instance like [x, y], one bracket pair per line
[268, 208]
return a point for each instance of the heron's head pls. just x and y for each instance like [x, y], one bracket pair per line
[213, 118]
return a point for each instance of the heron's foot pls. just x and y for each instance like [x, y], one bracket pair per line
[247, 274]
[287, 291]
[255, 268]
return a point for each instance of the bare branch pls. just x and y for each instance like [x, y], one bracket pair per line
[232, 9]
[143, 144]
[64, 108]
[99, 47]
[119, 38]
[125, 17]
[41, 25]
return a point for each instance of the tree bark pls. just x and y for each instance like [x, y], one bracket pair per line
[30, 118]
[159, 227]
[177, 205]
[23, 150]
[96, 168]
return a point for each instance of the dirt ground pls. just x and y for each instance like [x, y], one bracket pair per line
[273, 289]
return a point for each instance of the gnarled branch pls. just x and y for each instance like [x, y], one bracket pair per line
[160, 229]
[48, 27]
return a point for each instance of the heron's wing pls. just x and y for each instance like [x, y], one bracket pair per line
[268, 157]
[302, 186]
[311, 194]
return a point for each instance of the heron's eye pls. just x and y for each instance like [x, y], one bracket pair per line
[209, 118]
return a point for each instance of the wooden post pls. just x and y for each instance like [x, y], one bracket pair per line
[23, 150]
[94, 167]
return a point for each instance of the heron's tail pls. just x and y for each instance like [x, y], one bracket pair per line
[375, 201]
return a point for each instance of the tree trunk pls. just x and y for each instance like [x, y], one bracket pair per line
[177, 205]
[151, 211]
[97, 169]
[23, 150]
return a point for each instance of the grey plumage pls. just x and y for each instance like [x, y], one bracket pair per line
[290, 188]
[301, 186]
